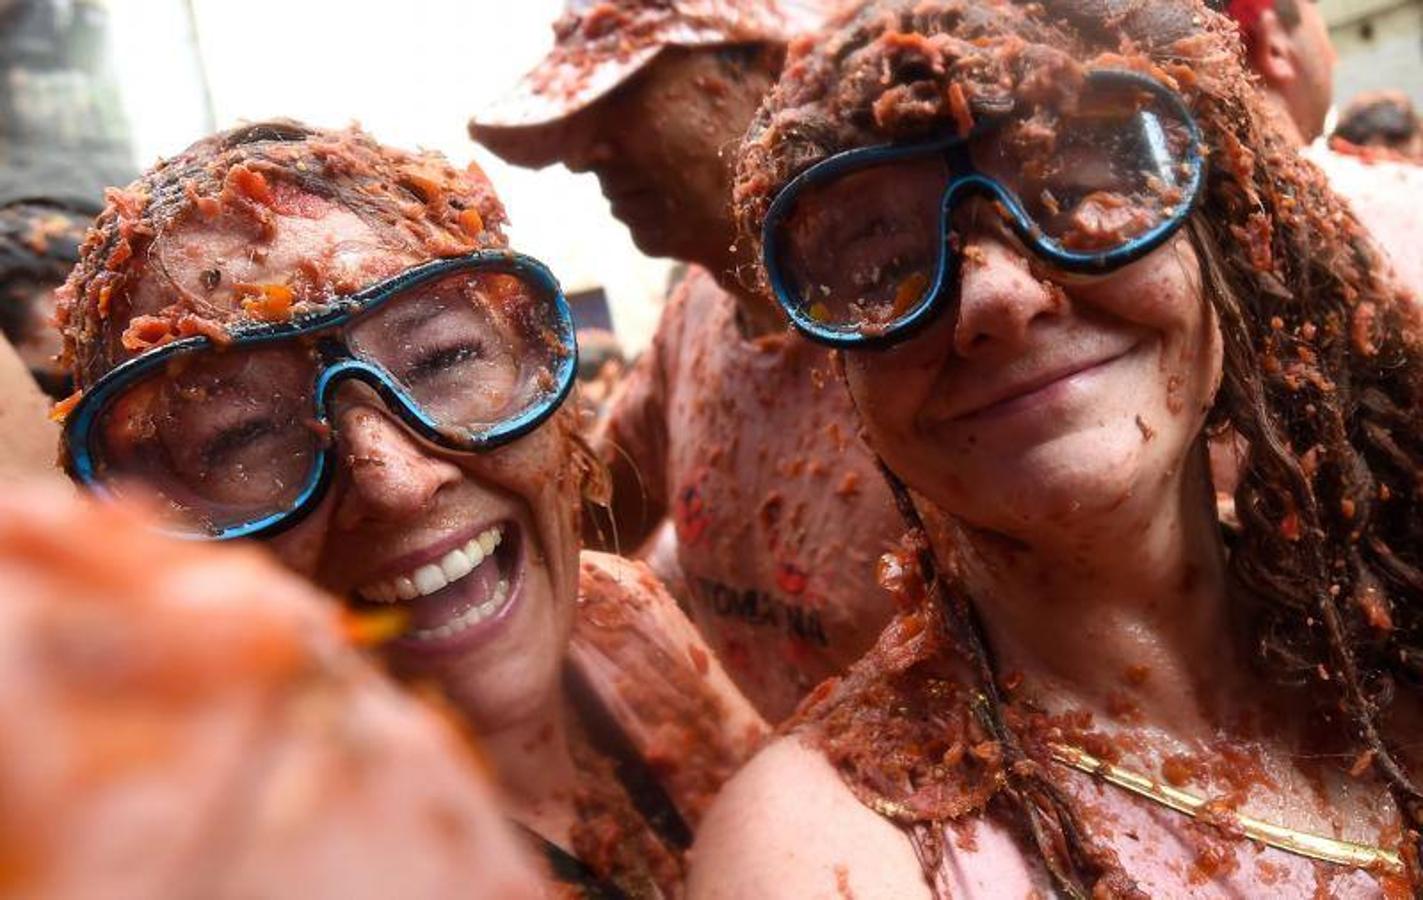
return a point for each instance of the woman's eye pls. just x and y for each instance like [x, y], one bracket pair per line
[230, 442]
[439, 361]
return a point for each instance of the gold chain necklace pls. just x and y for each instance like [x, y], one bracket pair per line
[1299, 843]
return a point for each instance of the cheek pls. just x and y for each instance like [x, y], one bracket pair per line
[1191, 347]
[891, 386]
[300, 548]
[889, 391]
[1212, 358]
[527, 467]
[880, 409]
[1158, 292]
[536, 469]
[690, 144]
[1161, 295]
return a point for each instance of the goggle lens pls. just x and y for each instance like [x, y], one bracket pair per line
[1113, 170]
[222, 438]
[227, 437]
[469, 348]
[860, 252]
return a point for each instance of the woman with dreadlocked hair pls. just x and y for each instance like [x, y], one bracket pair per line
[1060, 246]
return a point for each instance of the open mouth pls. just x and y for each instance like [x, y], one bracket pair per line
[468, 586]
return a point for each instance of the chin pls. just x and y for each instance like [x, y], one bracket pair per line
[653, 240]
[654, 232]
[1066, 481]
[509, 671]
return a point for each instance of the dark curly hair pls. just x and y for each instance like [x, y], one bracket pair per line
[39, 244]
[1380, 119]
[1322, 369]
[415, 198]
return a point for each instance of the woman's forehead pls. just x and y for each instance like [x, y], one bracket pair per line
[231, 267]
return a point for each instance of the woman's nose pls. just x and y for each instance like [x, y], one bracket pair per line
[999, 299]
[391, 478]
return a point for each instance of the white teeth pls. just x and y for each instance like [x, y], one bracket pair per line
[490, 539]
[432, 577]
[475, 552]
[455, 565]
[470, 617]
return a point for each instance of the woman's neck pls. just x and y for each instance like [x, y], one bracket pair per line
[1134, 612]
[534, 766]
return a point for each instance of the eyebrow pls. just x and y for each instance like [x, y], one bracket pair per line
[414, 314]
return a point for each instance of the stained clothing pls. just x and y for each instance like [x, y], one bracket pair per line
[750, 447]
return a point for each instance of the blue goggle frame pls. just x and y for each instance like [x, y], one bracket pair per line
[965, 181]
[338, 365]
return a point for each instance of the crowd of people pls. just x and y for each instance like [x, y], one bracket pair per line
[1019, 497]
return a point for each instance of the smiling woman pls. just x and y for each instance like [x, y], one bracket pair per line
[306, 337]
[1074, 247]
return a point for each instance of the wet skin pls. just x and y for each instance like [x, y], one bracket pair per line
[1297, 68]
[1035, 400]
[397, 503]
[667, 173]
[1057, 423]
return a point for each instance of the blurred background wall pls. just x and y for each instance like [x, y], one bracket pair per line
[1380, 45]
[150, 76]
[120, 83]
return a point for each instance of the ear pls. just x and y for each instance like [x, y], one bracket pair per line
[1273, 51]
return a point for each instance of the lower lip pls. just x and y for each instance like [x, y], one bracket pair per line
[475, 635]
[1049, 393]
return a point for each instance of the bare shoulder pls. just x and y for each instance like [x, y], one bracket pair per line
[652, 671]
[623, 609]
[787, 826]
[627, 620]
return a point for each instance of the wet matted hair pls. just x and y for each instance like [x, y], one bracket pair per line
[1322, 375]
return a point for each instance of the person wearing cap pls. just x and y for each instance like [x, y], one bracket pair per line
[729, 425]
[1287, 44]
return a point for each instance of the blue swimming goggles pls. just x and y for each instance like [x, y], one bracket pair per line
[469, 352]
[858, 248]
